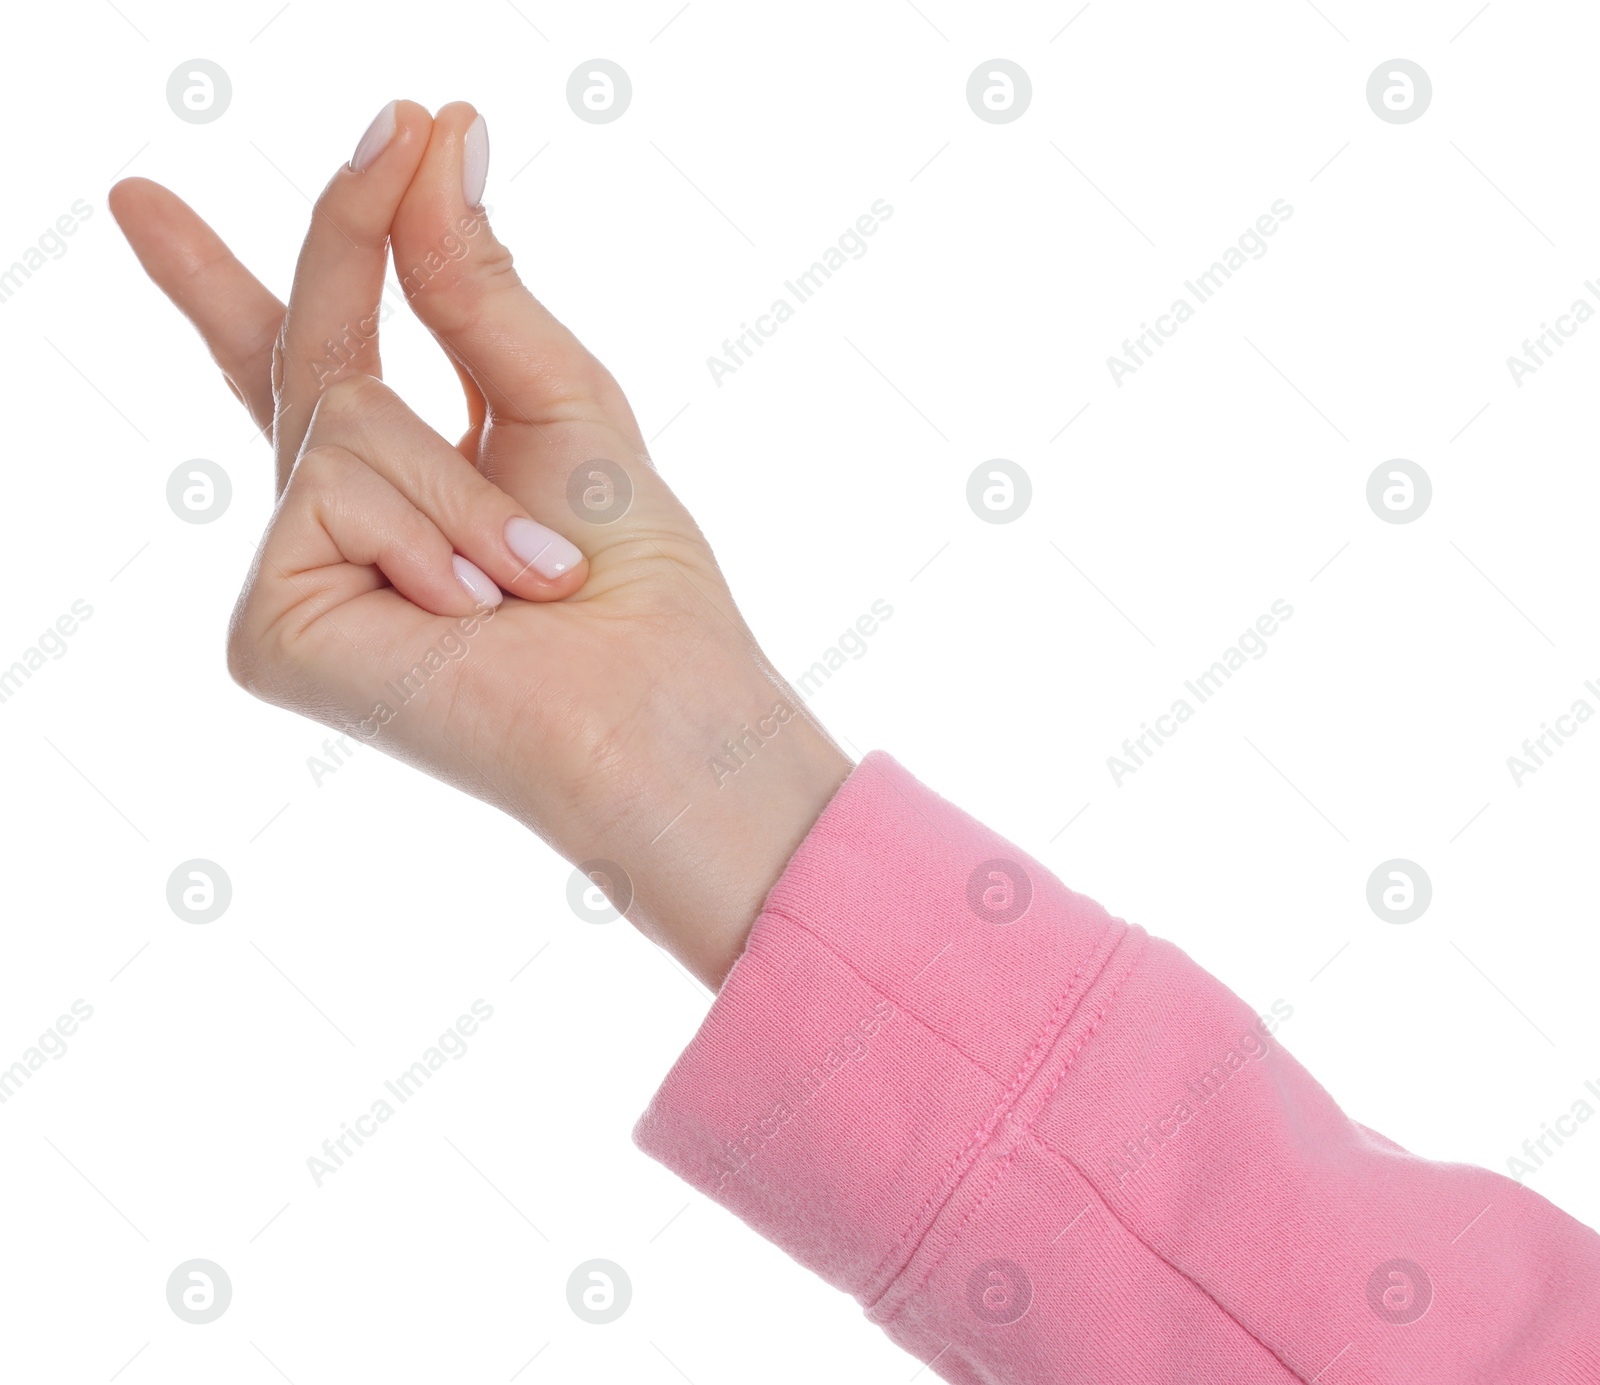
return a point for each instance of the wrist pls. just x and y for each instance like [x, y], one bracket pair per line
[760, 784]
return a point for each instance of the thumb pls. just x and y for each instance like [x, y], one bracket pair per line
[459, 279]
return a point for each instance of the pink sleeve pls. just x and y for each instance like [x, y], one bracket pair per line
[1040, 1145]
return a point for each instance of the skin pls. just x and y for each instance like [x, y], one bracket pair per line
[589, 706]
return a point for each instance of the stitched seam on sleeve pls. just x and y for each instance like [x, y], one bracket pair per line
[876, 989]
[1003, 1166]
[1211, 1298]
[959, 1163]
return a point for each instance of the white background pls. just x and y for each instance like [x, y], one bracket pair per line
[829, 472]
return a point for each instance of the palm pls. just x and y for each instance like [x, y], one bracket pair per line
[584, 686]
[566, 686]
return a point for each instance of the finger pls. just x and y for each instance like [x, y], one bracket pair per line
[343, 530]
[236, 315]
[460, 281]
[332, 324]
[363, 416]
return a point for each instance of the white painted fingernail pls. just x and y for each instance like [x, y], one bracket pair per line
[476, 581]
[376, 140]
[475, 161]
[544, 550]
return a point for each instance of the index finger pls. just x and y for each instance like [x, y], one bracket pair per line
[331, 329]
[236, 315]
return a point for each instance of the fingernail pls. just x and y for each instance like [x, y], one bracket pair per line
[475, 161]
[544, 550]
[376, 140]
[476, 581]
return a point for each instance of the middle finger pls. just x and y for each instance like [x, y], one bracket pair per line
[331, 328]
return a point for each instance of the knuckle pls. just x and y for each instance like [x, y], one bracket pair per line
[495, 266]
[557, 381]
[267, 654]
[411, 531]
[321, 470]
[351, 395]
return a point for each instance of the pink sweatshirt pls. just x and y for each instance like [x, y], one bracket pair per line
[1040, 1145]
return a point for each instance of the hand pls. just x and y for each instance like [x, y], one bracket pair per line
[615, 702]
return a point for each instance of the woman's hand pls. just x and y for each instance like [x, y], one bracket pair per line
[615, 701]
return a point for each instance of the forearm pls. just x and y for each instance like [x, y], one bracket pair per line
[1039, 1145]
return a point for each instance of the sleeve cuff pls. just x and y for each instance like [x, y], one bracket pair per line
[908, 975]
